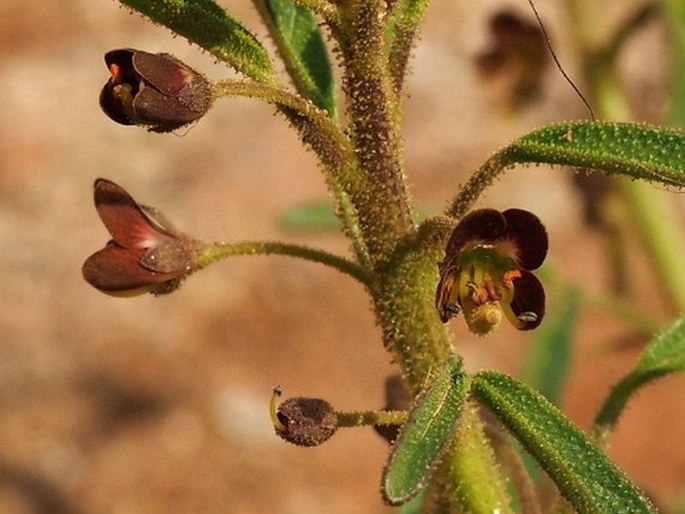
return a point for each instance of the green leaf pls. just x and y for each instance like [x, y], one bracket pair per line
[296, 33]
[634, 150]
[582, 473]
[664, 355]
[310, 216]
[425, 435]
[549, 355]
[206, 24]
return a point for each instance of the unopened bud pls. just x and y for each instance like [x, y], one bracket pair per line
[153, 90]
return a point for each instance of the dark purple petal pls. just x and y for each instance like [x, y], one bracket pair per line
[528, 236]
[477, 227]
[125, 219]
[528, 304]
[163, 71]
[167, 112]
[113, 105]
[117, 270]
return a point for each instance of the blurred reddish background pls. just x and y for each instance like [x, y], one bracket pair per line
[160, 405]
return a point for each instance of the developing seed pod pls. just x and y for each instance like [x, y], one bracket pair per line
[304, 421]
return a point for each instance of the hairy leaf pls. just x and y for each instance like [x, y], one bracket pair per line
[664, 355]
[425, 435]
[206, 24]
[296, 33]
[580, 470]
[634, 150]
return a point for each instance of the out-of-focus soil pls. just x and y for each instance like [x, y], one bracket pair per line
[160, 405]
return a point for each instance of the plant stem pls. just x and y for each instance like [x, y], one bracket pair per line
[216, 251]
[370, 418]
[382, 201]
[474, 480]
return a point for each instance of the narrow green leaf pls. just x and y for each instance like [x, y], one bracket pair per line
[549, 355]
[664, 355]
[582, 473]
[634, 150]
[311, 216]
[296, 33]
[425, 435]
[206, 24]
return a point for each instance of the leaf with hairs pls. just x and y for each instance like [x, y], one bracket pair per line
[581, 472]
[426, 434]
[206, 24]
[296, 33]
[664, 355]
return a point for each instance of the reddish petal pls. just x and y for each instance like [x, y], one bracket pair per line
[477, 227]
[526, 233]
[125, 219]
[166, 73]
[117, 270]
[167, 113]
[528, 304]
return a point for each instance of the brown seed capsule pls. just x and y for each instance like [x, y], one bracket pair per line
[153, 90]
[306, 421]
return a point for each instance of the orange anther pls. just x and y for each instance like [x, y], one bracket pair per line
[115, 71]
[509, 276]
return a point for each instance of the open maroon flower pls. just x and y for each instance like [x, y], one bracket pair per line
[146, 254]
[155, 90]
[488, 261]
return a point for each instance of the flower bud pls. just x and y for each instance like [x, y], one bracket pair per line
[145, 255]
[306, 421]
[154, 90]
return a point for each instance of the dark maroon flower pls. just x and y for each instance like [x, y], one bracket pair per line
[145, 254]
[517, 56]
[154, 90]
[488, 261]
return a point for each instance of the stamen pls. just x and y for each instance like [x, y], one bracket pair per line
[509, 277]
